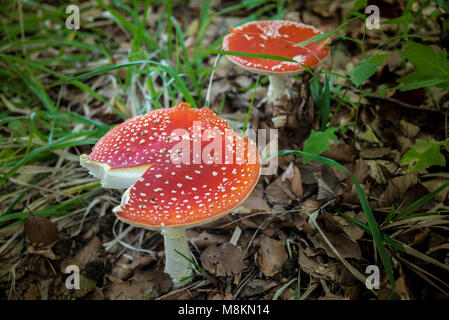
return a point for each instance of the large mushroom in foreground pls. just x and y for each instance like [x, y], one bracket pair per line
[277, 37]
[183, 167]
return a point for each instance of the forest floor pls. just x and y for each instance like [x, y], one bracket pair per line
[293, 238]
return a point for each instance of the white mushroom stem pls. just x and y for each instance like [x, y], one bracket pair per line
[276, 89]
[176, 251]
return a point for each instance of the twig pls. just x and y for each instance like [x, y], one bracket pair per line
[410, 106]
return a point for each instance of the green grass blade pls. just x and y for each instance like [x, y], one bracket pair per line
[57, 144]
[250, 55]
[182, 86]
[417, 204]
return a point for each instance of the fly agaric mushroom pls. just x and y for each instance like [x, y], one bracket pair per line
[171, 190]
[275, 38]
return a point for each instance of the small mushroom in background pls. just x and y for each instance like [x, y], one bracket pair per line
[183, 167]
[276, 37]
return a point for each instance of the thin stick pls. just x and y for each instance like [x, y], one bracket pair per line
[207, 102]
[22, 32]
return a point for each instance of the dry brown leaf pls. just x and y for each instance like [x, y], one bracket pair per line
[250, 222]
[32, 293]
[408, 129]
[287, 187]
[308, 172]
[272, 255]
[347, 279]
[374, 153]
[96, 294]
[329, 223]
[354, 232]
[434, 184]
[420, 237]
[312, 266]
[360, 170]
[219, 296]
[255, 201]
[340, 152]
[160, 281]
[45, 251]
[279, 192]
[441, 246]
[40, 229]
[223, 223]
[331, 296]
[87, 254]
[300, 221]
[143, 286]
[219, 88]
[327, 271]
[205, 239]
[401, 286]
[293, 175]
[396, 189]
[222, 260]
[257, 286]
[347, 248]
[388, 169]
[87, 285]
[404, 143]
[301, 218]
[279, 121]
[328, 185]
[351, 196]
[243, 81]
[340, 174]
[375, 170]
[310, 206]
[124, 266]
[308, 265]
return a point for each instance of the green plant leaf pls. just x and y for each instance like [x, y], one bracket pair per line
[359, 4]
[366, 69]
[318, 141]
[443, 4]
[432, 67]
[369, 135]
[424, 154]
[17, 127]
[412, 85]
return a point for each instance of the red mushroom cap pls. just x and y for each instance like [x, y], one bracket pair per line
[179, 191]
[122, 155]
[141, 140]
[276, 38]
